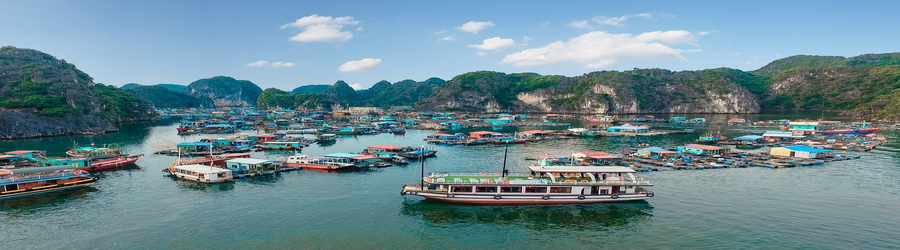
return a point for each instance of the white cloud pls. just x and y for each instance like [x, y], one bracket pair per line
[357, 86]
[317, 28]
[493, 43]
[257, 64]
[620, 20]
[473, 26]
[581, 24]
[282, 64]
[448, 38]
[703, 33]
[614, 21]
[480, 53]
[599, 49]
[262, 63]
[359, 65]
[440, 32]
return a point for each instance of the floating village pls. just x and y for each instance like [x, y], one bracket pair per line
[231, 135]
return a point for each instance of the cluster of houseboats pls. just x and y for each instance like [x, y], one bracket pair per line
[585, 177]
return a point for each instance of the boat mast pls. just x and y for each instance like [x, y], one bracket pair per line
[505, 153]
[422, 160]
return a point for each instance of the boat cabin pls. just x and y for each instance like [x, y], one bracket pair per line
[703, 149]
[202, 173]
[801, 151]
[250, 165]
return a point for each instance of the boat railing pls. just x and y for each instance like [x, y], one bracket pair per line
[521, 178]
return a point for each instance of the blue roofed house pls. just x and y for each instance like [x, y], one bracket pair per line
[628, 129]
[801, 151]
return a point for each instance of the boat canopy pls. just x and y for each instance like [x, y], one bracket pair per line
[40, 169]
[581, 169]
[247, 161]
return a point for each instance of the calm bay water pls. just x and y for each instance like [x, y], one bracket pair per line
[850, 204]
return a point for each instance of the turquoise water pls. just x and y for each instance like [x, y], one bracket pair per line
[841, 205]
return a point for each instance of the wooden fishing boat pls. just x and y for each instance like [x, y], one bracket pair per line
[21, 182]
[111, 162]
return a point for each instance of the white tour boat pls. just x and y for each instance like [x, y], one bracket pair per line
[543, 185]
[201, 173]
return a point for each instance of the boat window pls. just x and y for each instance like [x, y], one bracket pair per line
[486, 189]
[535, 189]
[462, 189]
[561, 189]
[510, 189]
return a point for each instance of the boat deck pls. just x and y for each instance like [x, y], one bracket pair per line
[526, 180]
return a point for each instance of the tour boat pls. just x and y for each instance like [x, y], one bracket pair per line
[201, 173]
[280, 145]
[94, 151]
[22, 182]
[855, 131]
[326, 163]
[543, 185]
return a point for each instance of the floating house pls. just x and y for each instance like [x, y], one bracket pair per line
[485, 134]
[30, 155]
[250, 165]
[656, 152]
[499, 121]
[801, 151]
[803, 127]
[193, 147]
[736, 121]
[262, 138]
[677, 119]
[628, 129]
[830, 123]
[537, 133]
[597, 158]
[698, 120]
[749, 138]
[774, 136]
[703, 149]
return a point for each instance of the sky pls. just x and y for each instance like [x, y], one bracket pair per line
[286, 44]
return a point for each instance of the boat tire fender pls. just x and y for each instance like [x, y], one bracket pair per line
[615, 196]
[581, 197]
[546, 197]
[650, 195]
[207, 180]
[497, 197]
[449, 195]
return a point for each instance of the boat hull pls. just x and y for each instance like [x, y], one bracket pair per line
[49, 189]
[500, 199]
[849, 131]
[314, 166]
[112, 163]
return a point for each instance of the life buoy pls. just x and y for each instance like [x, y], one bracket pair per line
[497, 173]
[497, 197]
[581, 197]
[14, 178]
[428, 179]
[489, 181]
[483, 173]
[585, 181]
[546, 197]
[505, 181]
[569, 181]
[615, 196]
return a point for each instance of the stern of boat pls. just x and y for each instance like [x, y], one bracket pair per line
[411, 189]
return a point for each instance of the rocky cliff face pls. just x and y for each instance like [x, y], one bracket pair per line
[223, 91]
[41, 95]
[639, 91]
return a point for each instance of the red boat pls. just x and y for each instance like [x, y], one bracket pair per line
[112, 162]
[849, 131]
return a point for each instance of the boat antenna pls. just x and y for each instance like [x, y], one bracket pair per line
[505, 153]
[422, 160]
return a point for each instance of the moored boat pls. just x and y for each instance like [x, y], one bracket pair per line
[112, 162]
[22, 182]
[201, 173]
[543, 185]
[854, 131]
[326, 163]
[280, 145]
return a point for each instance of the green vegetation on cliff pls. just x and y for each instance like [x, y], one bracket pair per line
[311, 89]
[33, 80]
[162, 97]
[223, 91]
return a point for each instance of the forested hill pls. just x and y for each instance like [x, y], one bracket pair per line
[866, 85]
[41, 95]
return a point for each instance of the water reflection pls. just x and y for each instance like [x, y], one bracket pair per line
[540, 217]
[206, 187]
[53, 199]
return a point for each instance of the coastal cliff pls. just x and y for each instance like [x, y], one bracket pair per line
[41, 95]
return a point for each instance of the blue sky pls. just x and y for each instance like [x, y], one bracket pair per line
[285, 44]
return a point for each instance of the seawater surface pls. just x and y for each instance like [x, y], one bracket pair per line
[840, 205]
